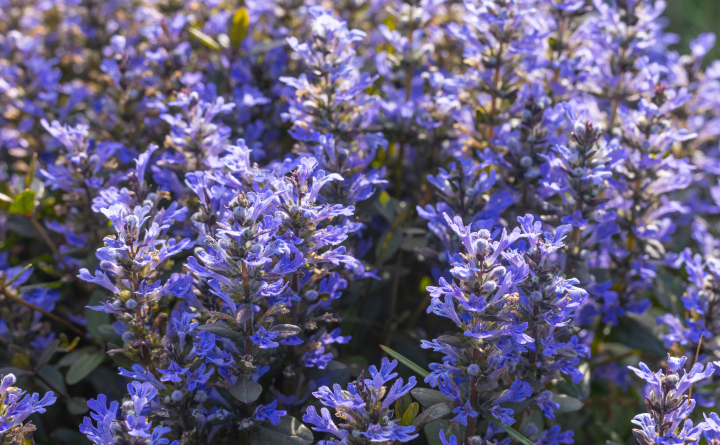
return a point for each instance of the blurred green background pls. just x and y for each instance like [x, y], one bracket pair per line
[688, 18]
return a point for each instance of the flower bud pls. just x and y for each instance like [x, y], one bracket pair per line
[131, 221]
[239, 213]
[177, 396]
[498, 272]
[481, 246]
[489, 286]
[200, 396]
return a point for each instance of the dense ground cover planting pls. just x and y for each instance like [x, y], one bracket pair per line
[355, 222]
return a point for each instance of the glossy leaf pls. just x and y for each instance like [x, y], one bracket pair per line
[289, 431]
[409, 415]
[23, 204]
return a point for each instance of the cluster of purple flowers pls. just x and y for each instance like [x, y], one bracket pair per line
[513, 308]
[669, 408]
[366, 407]
[15, 408]
[193, 190]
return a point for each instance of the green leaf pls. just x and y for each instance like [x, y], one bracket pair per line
[428, 397]
[668, 291]
[640, 333]
[31, 171]
[512, 433]
[96, 318]
[389, 243]
[204, 39]
[409, 415]
[68, 435]
[567, 404]
[46, 285]
[83, 367]
[402, 404]
[435, 412]
[106, 332]
[52, 376]
[386, 206]
[406, 361]
[221, 330]
[13, 370]
[77, 406]
[432, 431]
[246, 391]
[453, 341]
[71, 357]
[288, 432]
[239, 29]
[21, 361]
[23, 204]
[48, 352]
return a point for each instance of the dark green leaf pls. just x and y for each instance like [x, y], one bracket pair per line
[71, 357]
[23, 204]
[108, 333]
[452, 341]
[69, 436]
[486, 384]
[13, 370]
[246, 391]
[432, 431]
[48, 352]
[639, 333]
[428, 397]
[83, 366]
[77, 406]
[387, 245]
[120, 359]
[435, 412]
[402, 404]
[386, 205]
[221, 330]
[288, 432]
[567, 404]
[54, 377]
[668, 291]
[96, 318]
